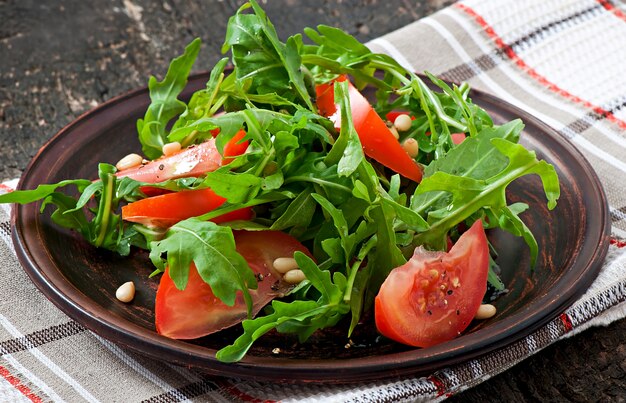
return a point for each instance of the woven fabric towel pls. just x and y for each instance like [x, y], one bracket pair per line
[534, 54]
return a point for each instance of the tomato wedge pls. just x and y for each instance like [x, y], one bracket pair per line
[435, 295]
[196, 312]
[457, 138]
[235, 147]
[192, 161]
[168, 209]
[377, 140]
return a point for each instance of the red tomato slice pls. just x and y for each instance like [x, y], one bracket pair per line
[391, 116]
[168, 209]
[435, 295]
[196, 312]
[192, 161]
[377, 140]
[457, 138]
[235, 147]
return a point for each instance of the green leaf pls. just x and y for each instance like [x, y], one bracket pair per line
[165, 105]
[234, 187]
[348, 141]
[41, 192]
[406, 215]
[202, 102]
[255, 328]
[66, 215]
[212, 249]
[299, 213]
[259, 55]
[468, 195]
[320, 279]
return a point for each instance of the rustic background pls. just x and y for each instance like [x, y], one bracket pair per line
[61, 58]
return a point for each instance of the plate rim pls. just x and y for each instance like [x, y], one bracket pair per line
[267, 368]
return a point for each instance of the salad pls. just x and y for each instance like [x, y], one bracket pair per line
[311, 183]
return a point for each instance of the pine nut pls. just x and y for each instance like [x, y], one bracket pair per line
[285, 264]
[402, 123]
[394, 131]
[171, 148]
[411, 147]
[294, 276]
[126, 292]
[485, 311]
[129, 161]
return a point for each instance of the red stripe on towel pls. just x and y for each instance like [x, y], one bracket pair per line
[510, 53]
[17, 384]
[567, 322]
[608, 6]
[6, 188]
[617, 242]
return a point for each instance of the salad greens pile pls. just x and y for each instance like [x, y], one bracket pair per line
[302, 177]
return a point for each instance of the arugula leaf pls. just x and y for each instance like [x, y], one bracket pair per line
[469, 195]
[257, 327]
[101, 227]
[475, 157]
[234, 187]
[212, 249]
[66, 215]
[298, 214]
[42, 191]
[301, 317]
[352, 153]
[203, 103]
[258, 54]
[164, 104]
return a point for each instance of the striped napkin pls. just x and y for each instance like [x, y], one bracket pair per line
[561, 61]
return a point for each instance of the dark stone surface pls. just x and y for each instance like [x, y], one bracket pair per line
[59, 59]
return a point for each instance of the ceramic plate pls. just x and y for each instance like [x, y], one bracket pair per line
[81, 280]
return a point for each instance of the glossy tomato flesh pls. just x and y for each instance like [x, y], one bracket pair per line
[168, 209]
[195, 312]
[435, 295]
[193, 161]
[377, 140]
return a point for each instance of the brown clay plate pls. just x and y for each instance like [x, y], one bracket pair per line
[82, 280]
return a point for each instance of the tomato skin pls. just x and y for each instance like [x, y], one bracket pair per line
[196, 312]
[457, 138]
[235, 147]
[193, 161]
[168, 209]
[435, 295]
[377, 140]
[391, 116]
